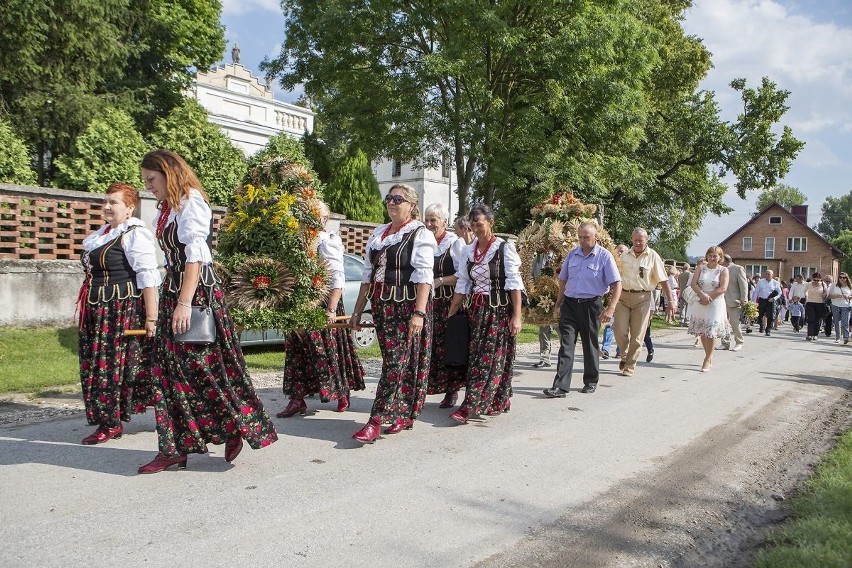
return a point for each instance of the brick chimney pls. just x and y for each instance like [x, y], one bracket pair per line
[800, 212]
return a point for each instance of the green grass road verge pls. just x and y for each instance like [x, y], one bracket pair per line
[820, 533]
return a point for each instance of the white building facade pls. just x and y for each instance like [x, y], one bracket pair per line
[433, 185]
[245, 109]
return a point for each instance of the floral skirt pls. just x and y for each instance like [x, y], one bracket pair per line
[322, 361]
[203, 392]
[710, 321]
[401, 392]
[114, 369]
[492, 358]
[442, 379]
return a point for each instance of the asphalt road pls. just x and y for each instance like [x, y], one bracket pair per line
[642, 472]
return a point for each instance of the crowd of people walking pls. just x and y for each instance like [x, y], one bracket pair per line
[418, 276]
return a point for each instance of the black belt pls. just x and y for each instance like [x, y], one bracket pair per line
[583, 300]
[638, 291]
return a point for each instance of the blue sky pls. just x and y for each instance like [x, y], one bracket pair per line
[804, 46]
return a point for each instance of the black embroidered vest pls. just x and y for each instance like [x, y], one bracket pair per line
[110, 275]
[444, 266]
[398, 269]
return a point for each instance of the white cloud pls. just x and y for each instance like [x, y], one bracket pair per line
[757, 38]
[244, 6]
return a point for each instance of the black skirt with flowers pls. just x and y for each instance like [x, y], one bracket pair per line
[204, 393]
[322, 361]
[401, 391]
[492, 357]
[442, 379]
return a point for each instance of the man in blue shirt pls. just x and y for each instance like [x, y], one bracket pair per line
[589, 272]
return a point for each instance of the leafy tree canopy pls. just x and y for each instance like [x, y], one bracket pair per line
[15, 158]
[108, 150]
[836, 216]
[843, 241]
[63, 63]
[220, 166]
[529, 98]
[354, 191]
[785, 195]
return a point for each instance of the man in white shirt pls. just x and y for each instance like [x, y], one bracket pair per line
[765, 293]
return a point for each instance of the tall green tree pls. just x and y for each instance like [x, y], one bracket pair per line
[836, 216]
[108, 150]
[599, 98]
[220, 166]
[319, 154]
[354, 191]
[63, 63]
[15, 158]
[785, 195]
[843, 241]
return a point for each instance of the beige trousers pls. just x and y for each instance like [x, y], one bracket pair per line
[632, 315]
[734, 319]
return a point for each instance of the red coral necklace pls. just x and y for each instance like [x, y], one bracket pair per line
[478, 256]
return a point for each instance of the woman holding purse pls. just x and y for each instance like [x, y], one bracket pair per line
[203, 390]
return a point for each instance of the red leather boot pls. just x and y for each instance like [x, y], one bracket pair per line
[370, 432]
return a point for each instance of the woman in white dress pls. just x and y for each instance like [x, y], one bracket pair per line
[708, 316]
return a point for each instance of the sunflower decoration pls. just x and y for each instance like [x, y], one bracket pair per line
[268, 245]
[547, 240]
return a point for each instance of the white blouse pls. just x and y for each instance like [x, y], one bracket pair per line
[422, 257]
[842, 302]
[139, 246]
[481, 284]
[193, 219]
[330, 247]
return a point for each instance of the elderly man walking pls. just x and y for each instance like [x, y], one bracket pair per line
[736, 296]
[589, 272]
[642, 270]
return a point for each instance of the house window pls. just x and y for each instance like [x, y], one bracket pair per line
[775, 220]
[797, 244]
[755, 269]
[805, 271]
[445, 167]
[746, 244]
[397, 168]
[769, 247]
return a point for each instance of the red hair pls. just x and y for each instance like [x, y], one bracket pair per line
[129, 194]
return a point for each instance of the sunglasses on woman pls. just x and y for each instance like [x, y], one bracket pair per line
[395, 199]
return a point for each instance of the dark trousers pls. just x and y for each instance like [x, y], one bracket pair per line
[581, 318]
[649, 344]
[814, 312]
[765, 309]
[797, 322]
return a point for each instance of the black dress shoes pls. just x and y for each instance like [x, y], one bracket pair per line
[650, 357]
[542, 364]
[588, 389]
[555, 393]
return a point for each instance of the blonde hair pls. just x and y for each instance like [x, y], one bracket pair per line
[410, 195]
[715, 250]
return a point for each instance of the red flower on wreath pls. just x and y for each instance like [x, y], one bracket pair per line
[317, 282]
[261, 282]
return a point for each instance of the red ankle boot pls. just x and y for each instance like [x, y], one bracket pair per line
[450, 399]
[461, 415]
[370, 432]
[162, 462]
[233, 447]
[398, 427]
[343, 404]
[102, 435]
[296, 406]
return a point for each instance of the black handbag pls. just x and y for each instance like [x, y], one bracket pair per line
[457, 341]
[202, 325]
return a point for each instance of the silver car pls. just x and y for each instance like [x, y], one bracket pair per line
[353, 267]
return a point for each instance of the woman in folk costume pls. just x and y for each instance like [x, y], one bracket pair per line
[442, 379]
[491, 286]
[203, 391]
[399, 258]
[119, 293]
[323, 361]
